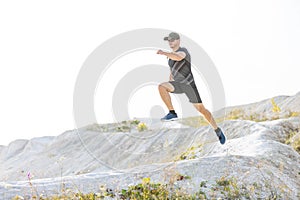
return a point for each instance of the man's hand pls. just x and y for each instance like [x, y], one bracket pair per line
[161, 52]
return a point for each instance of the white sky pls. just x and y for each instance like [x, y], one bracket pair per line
[255, 46]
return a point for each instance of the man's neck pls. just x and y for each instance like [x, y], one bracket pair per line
[175, 48]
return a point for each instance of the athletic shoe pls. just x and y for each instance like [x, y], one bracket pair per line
[220, 135]
[169, 117]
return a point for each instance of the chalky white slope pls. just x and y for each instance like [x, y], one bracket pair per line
[85, 158]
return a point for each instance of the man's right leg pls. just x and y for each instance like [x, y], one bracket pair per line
[164, 89]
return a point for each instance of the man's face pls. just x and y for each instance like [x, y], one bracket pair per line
[174, 43]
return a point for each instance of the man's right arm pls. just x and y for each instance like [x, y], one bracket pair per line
[171, 77]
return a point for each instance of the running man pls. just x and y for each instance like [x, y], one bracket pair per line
[182, 81]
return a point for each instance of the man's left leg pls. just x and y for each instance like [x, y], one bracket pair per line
[192, 93]
[208, 116]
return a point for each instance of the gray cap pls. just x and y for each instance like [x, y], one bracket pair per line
[172, 36]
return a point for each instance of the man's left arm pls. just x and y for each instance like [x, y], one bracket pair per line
[178, 56]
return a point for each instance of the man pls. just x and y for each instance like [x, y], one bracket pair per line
[182, 81]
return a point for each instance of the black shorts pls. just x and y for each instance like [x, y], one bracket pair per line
[191, 91]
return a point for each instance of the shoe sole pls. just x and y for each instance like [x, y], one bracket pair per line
[167, 120]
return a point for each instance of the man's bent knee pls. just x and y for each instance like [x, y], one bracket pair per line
[166, 86]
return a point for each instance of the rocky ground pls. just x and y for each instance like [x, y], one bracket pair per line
[259, 160]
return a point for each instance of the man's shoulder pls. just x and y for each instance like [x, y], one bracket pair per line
[183, 49]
